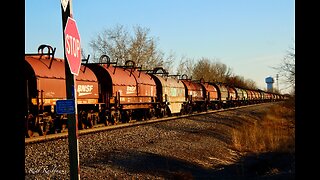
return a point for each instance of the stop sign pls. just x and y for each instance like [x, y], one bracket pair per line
[72, 46]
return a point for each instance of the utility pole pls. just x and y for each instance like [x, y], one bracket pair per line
[66, 8]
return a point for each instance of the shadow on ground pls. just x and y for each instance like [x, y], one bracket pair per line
[263, 166]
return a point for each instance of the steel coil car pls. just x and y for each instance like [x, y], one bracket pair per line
[46, 83]
[126, 92]
[211, 94]
[195, 95]
[170, 93]
[242, 96]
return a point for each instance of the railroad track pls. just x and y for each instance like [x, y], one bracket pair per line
[101, 127]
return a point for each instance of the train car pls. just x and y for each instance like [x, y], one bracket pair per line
[251, 96]
[211, 94]
[257, 96]
[223, 94]
[195, 95]
[170, 93]
[275, 96]
[125, 92]
[268, 96]
[46, 84]
[233, 96]
[241, 96]
[262, 96]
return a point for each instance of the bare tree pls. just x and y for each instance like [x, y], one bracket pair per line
[287, 68]
[211, 70]
[203, 69]
[168, 62]
[112, 42]
[119, 45]
[181, 67]
[185, 66]
[222, 71]
[250, 84]
[237, 81]
[143, 49]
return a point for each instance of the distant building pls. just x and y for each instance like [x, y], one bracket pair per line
[269, 81]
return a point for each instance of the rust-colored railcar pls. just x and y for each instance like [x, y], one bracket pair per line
[195, 94]
[211, 94]
[233, 96]
[46, 83]
[125, 91]
[224, 94]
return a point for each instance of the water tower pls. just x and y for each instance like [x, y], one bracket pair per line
[269, 81]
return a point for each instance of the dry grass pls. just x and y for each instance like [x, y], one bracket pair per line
[275, 132]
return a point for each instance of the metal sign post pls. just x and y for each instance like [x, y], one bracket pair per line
[66, 8]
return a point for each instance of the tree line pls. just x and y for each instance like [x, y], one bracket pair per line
[138, 46]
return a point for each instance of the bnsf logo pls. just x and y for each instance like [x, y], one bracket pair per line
[84, 89]
[131, 90]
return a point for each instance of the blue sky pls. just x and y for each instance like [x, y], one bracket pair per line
[249, 36]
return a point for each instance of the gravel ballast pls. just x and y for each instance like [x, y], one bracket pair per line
[197, 147]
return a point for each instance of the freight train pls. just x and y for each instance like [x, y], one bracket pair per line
[111, 93]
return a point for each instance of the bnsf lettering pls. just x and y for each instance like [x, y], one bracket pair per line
[85, 88]
[73, 46]
[131, 90]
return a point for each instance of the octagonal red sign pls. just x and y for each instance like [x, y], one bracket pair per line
[72, 46]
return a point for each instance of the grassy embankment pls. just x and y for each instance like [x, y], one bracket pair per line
[269, 143]
[275, 132]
